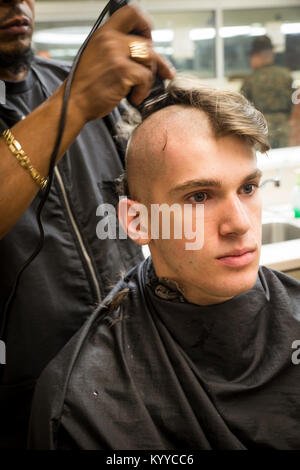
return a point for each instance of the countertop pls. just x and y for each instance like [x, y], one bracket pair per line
[283, 256]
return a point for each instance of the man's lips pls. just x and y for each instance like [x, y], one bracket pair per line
[238, 257]
[16, 25]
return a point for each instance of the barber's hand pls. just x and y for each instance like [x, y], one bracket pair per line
[107, 72]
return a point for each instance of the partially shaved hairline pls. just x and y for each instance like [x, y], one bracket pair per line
[154, 162]
[181, 107]
[228, 113]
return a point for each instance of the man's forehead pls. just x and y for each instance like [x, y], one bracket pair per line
[174, 121]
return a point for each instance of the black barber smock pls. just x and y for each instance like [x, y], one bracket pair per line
[161, 373]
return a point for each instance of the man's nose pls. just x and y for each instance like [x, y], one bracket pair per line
[234, 218]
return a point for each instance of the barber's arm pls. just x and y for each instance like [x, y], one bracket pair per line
[105, 75]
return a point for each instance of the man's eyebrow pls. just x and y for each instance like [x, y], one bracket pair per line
[214, 183]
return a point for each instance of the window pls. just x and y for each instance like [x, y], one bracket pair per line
[187, 39]
[206, 41]
[282, 25]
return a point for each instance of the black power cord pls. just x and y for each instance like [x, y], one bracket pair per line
[111, 6]
[158, 87]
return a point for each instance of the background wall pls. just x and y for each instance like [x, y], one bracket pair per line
[208, 39]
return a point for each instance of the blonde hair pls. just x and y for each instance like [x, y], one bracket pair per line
[229, 112]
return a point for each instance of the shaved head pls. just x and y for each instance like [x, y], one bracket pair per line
[146, 157]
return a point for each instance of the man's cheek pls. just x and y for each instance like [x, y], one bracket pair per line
[257, 228]
[193, 227]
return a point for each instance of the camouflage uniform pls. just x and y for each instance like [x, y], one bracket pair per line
[269, 88]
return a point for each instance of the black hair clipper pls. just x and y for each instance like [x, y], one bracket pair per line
[158, 85]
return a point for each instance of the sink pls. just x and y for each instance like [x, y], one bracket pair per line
[276, 232]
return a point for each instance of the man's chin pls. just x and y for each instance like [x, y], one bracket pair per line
[16, 58]
[237, 282]
[18, 45]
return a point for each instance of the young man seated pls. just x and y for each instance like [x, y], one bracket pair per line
[195, 347]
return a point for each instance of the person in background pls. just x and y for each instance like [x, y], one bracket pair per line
[269, 88]
[62, 287]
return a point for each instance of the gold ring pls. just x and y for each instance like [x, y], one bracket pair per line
[139, 50]
[127, 83]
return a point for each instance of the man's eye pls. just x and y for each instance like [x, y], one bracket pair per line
[198, 197]
[250, 188]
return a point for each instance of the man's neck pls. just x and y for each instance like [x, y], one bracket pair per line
[192, 293]
[9, 76]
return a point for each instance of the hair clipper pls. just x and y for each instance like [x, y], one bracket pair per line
[158, 84]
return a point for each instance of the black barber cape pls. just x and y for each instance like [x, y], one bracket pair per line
[160, 373]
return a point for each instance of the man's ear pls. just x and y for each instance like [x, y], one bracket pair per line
[133, 217]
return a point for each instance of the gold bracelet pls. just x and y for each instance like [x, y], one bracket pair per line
[16, 149]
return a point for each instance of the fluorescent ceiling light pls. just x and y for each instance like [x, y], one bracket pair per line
[163, 35]
[258, 31]
[226, 32]
[68, 35]
[231, 31]
[164, 50]
[290, 28]
[63, 52]
[202, 33]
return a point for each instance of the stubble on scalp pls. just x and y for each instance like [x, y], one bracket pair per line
[146, 157]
